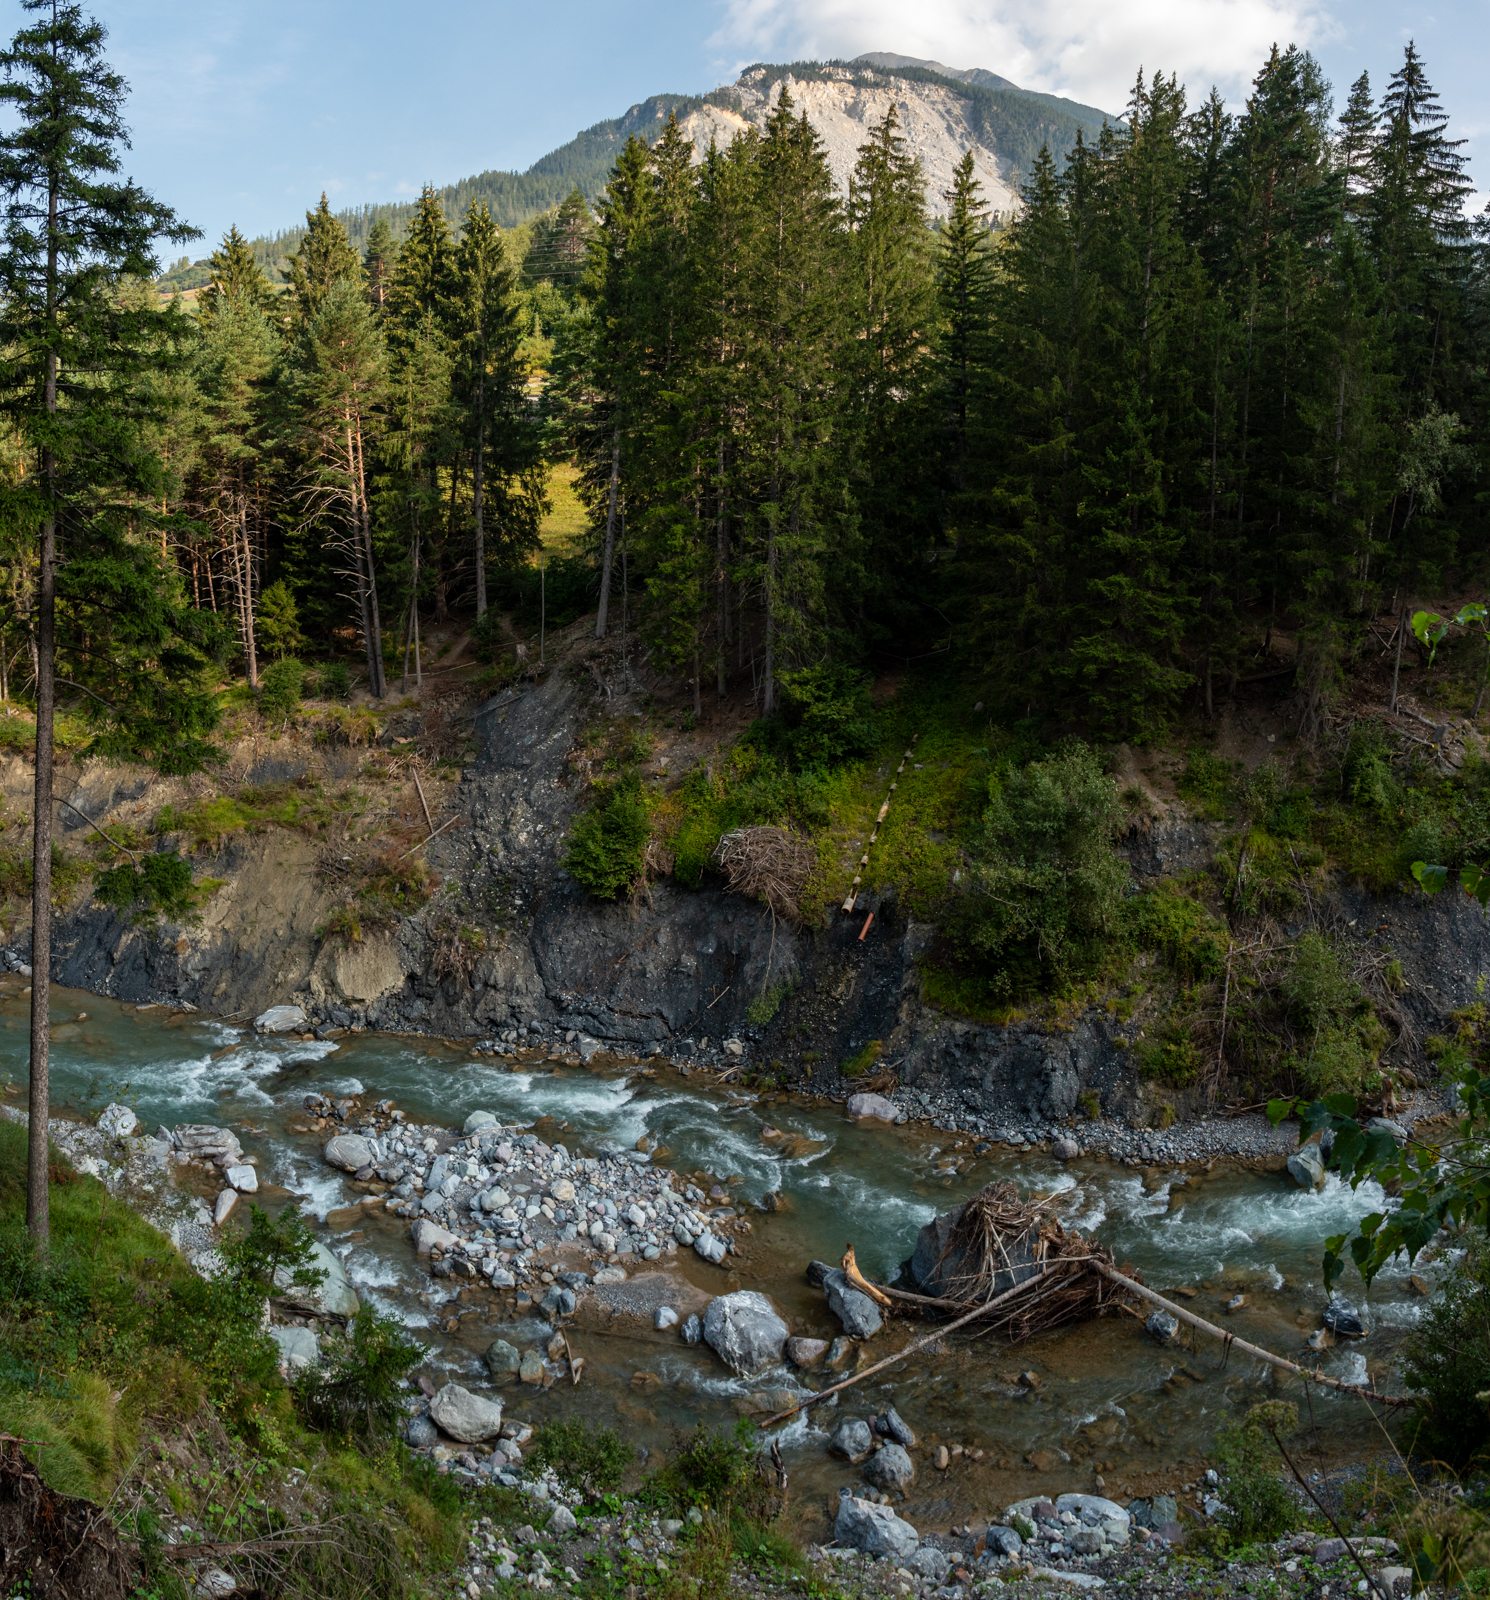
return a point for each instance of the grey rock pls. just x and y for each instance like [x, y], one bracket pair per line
[930, 1563]
[502, 1360]
[561, 1521]
[1165, 1509]
[243, 1178]
[349, 1151]
[1086, 1541]
[427, 1235]
[937, 1265]
[203, 1142]
[1102, 1510]
[874, 1106]
[1003, 1541]
[1162, 1326]
[874, 1529]
[890, 1468]
[666, 1318]
[117, 1121]
[466, 1416]
[1065, 1149]
[744, 1330]
[1393, 1583]
[1306, 1166]
[854, 1309]
[282, 1019]
[334, 1295]
[893, 1426]
[298, 1347]
[1399, 1134]
[852, 1440]
[1329, 1551]
[477, 1120]
[420, 1432]
[693, 1329]
[805, 1352]
[710, 1248]
[1343, 1320]
[225, 1203]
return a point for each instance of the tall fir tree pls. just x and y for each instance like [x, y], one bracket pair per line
[324, 259]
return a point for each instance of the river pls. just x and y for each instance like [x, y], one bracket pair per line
[1106, 1399]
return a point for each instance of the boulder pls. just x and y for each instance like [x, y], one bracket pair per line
[243, 1178]
[666, 1318]
[1065, 1149]
[427, 1235]
[610, 1275]
[1162, 1326]
[203, 1142]
[530, 1369]
[1306, 1166]
[1393, 1583]
[1003, 1541]
[420, 1432]
[893, 1426]
[466, 1416]
[855, 1310]
[1343, 1320]
[225, 1203]
[931, 1563]
[1094, 1506]
[693, 1329]
[890, 1468]
[562, 1521]
[496, 1199]
[349, 1151]
[334, 1296]
[806, 1352]
[502, 1360]
[117, 1121]
[298, 1347]
[477, 1120]
[282, 1019]
[712, 1249]
[1329, 1551]
[874, 1529]
[937, 1267]
[562, 1190]
[852, 1440]
[744, 1330]
[873, 1106]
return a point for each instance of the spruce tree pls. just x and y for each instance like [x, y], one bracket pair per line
[424, 274]
[324, 259]
[558, 251]
[236, 275]
[378, 257]
[964, 281]
[74, 383]
[1355, 147]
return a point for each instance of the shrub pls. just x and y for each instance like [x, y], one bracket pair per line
[1172, 1056]
[1048, 891]
[277, 626]
[713, 1471]
[280, 686]
[161, 887]
[356, 1389]
[1258, 1503]
[608, 843]
[1189, 938]
[862, 1060]
[1446, 1360]
[594, 1460]
[827, 715]
[1208, 783]
[336, 681]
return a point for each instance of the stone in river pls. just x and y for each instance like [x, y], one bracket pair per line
[531, 1368]
[852, 1440]
[710, 1248]
[466, 1416]
[854, 1309]
[225, 1203]
[666, 1318]
[204, 1142]
[502, 1361]
[117, 1121]
[243, 1178]
[1162, 1326]
[420, 1432]
[334, 1294]
[874, 1529]
[282, 1019]
[1343, 1320]
[476, 1120]
[1306, 1166]
[744, 1330]
[348, 1151]
[428, 1235]
[873, 1105]
[1065, 1149]
[806, 1352]
[891, 1468]
[693, 1329]
[840, 1352]
[893, 1426]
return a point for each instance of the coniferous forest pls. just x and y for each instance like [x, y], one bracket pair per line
[1221, 365]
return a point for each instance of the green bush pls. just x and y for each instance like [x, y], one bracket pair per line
[826, 716]
[1171, 1057]
[591, 1459]
[280, 686]
[608, 843]
[1446, 1362]
[713, 1471]
[1193, 942]
[336, 681]
[357, 1388]
[1259, 1504]
[1208, 783]
[161, 887]
[750, 788]
[277, 626]
[1047, 891]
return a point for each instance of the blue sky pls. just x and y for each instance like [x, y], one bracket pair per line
[245, 112]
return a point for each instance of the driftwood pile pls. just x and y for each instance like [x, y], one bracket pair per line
[770, 864]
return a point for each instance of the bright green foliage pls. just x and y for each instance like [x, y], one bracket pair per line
[277, 620]
[324, 259]
[1446, 1360]
[593, 1460]
[827, 716]
[608, 843]
[162, 886]
[1259, 1503]
[280, 689]
[359, 1386]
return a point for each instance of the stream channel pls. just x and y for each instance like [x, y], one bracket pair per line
[1107, 1398]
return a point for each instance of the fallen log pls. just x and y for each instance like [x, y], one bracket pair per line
[910, 1349]
[1282, 1362]
[858, 1281]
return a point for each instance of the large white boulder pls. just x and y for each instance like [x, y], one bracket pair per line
[282, 1019]
[874, 1529]
[334, 1295]
[874, 1106]
[428, 1234]
[243, 1178]
[466, 1416]
[349, 1151]
[744, 1330]
[298, 1347]
[117, 1121]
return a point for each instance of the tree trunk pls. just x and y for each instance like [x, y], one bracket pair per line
[375, 637]
[476, 492]
[360, 565]
[250, 649]
[610, 535]
[1397, 664]
[768, 595]
[722, 579]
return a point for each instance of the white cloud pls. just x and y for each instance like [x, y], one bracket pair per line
[1090, 50]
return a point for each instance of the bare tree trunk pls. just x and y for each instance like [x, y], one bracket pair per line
[768, 682]
[1397, 664]
[610, 535]
[721, 556]
[375, 637]
[476, 491]
[245, 592]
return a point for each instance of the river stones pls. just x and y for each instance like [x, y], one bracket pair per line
[349, 1151]
[1003, 1541]
[1065, 1149]
[243, 1178]
[852, 1440]
[298, 1347]
[502, 1361]
[666, 1318]
[806, 1353]
[495, 1199]
[282, 1019]
[203, 1142]
[428, 1235]
[890, 1468]
[609, 1275]
[467, 1417]
[225, 1203]
[1306, 1166]
[530, 1369]
[1162, 1327]
[477, 1120]
[117, 1121]
[334, 1295]
[1092, 1509]
[693, 1329]
[931, 1563]
[744, 1330]
[1343, 1320]
[420, 1432]
[710, 1248]
[563, 1191]
[872, 1106]
[854, 1309]
[893, 1426]
[874, 1529]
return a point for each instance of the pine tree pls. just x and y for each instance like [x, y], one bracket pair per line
[324, 259]
[424, 274]
[378, 258]
[558, 252]
[964, 281]
[1355, 148]
[236, 275]
[78, 354]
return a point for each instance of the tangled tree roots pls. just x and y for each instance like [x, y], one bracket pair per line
[770, 864]
[53, 1547]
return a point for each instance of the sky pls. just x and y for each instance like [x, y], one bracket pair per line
[243, 113]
